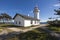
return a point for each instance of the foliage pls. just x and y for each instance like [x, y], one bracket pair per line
[54, 28]
[5, 17]
[8, 25]
[1, 29]
[35, 35]
[12, 38]
[54, 23]
[58, 11]
[31, 35]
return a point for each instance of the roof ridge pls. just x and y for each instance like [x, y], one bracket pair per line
[25, 16]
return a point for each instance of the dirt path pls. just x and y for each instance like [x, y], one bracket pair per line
[16, 29]
[25, 30]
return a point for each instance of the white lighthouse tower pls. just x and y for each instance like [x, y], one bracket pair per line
[36, 12]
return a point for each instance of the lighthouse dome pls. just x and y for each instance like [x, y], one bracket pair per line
[36, 9]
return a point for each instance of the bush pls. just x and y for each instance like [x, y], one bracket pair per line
[54, 23]
[8, 25]
[32, 36]
[54, 28]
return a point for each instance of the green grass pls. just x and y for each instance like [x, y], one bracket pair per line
[32, 35]
[4, 27]
[7, 25]
[1, 29]
[36, 35]
[54, 28]
[12, 38]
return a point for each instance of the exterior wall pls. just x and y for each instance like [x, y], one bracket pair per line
[27, 23]
[36, 15]
[19, 19]
[38, 22]
[36, 12]
[24, 22]
[35, 22]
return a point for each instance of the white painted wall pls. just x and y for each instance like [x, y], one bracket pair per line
[17, 19]
[37, 22]
[27, 23]
[36, 15]
[24, 22]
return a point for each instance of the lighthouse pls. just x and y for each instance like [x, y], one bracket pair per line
[36, 12]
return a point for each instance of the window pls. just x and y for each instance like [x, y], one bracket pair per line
[38, 21]
[19, 22]
[35, 22]
[31, 21]
[16, 22]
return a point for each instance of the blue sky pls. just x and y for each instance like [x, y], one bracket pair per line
[26, 7]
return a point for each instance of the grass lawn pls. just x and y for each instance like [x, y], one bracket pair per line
[1, 29]
[32, 35]
[4, 27]
[7, 25]
[35, 34]
[54, 28]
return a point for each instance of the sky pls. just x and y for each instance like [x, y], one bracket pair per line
[26, 7]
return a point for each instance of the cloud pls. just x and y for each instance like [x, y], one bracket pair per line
[57, 5]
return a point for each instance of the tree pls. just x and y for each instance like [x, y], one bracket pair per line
[55, 22]
[6, 17]
[57, 12]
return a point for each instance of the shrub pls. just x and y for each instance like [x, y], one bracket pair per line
[8, 25]
[54, 23]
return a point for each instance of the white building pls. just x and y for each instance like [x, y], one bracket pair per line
[23, 20]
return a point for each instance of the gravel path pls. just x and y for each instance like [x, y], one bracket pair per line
[15, 29]
[25, 30]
